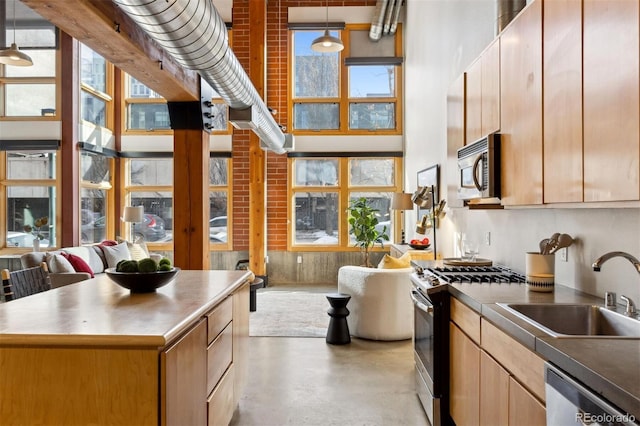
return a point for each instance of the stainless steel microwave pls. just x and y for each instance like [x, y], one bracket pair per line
[479, 169]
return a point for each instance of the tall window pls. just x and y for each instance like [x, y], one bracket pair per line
[28, 185]
[220, 220]
[96, 88]
[360, 96]
[322, 189]
[147, 111]
[95, 191]
[28, 91]
[150, 184]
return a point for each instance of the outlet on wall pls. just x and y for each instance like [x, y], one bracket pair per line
[299, 259]
[563, 253]
[487, 238]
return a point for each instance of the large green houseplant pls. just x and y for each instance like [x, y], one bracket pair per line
[362, 225]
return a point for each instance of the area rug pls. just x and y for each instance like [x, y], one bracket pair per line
[289, 314]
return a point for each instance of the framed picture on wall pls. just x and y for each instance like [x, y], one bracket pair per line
[429, 177]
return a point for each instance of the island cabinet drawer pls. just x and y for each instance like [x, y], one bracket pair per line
[219, 356]
[218, 319]
[466, 319]
[220, 404]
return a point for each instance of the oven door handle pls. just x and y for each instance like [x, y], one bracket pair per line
[419, 304]
[474, 173]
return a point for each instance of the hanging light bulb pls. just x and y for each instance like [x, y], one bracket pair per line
[12, 55]
[327, 42]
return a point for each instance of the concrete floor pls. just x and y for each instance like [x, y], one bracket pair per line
[305, 381]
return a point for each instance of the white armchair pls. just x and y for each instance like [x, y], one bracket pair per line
[380, 307]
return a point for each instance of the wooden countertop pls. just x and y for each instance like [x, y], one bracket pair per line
[99, 312]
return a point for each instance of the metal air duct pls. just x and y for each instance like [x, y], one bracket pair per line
[195, 35]
[377, 24]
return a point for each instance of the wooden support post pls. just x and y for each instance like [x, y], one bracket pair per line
[191, 199]
[257, 157]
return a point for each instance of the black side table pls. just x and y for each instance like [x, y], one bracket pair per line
[338, 331]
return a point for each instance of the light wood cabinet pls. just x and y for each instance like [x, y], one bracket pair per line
[473, 101]
[171, 357]
[483, 94]
[464, 378]
[240, 341]
[524, 408]
[184, 383]
[490, 61]
[611, 100]
[455, 136]
[521, 108]
[494, 392]
[562, 109]
[486, 377]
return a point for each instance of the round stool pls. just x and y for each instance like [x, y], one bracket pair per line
[338, 331]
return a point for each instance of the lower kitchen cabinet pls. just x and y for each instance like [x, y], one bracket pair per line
[185, 378]
[464, 380]
[494, 392]
[524, 408]
[486, 379]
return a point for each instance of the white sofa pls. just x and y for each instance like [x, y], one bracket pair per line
[92, 255]
[380, 307]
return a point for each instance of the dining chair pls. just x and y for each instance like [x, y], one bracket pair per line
[25, 282]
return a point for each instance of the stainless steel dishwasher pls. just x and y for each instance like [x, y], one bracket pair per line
[571, 403]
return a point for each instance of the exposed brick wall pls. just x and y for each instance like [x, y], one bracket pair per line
[276, 97]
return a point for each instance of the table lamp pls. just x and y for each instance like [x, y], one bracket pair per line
[133, 215]
[401, 201]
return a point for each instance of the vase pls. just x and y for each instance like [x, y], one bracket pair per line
[36, 244]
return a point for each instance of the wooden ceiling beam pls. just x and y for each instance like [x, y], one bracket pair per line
[107, 30]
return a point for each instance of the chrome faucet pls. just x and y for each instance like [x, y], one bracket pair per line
[602, 259]
[630, 308]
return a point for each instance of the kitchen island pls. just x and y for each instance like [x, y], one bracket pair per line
[94, 353]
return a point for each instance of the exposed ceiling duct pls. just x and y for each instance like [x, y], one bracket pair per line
[385, 18]
[195, 35]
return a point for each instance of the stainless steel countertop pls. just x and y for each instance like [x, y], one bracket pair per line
[608, 366]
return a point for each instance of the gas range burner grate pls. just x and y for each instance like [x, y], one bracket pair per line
[475, 274]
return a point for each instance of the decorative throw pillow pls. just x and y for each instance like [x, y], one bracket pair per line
[138, 250]
[78, 263]
[58, 264]
[108, 243]
[115, 254]
[389, 262]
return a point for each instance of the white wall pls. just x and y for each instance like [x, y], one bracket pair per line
[442, 39]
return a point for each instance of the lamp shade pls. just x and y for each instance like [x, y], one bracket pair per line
[133, 214]
[401, 201]
[13, 56]
[327, 43]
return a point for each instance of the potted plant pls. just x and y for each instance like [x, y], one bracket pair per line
[362, 225]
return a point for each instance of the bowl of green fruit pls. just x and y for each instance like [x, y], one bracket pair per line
[144, 275]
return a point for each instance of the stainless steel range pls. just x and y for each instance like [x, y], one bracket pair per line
[431, 324]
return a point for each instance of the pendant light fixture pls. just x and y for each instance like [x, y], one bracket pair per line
[327, 43]
[13, 56]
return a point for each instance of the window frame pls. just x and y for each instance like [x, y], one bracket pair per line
[127, 189]
[344, 189]
[109, 199]
[6, 183]
[106, 97]
[343, 100]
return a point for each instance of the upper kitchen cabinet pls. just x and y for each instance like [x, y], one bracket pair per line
[611, 100]
[483, 94]
[455, 137]
[562, 108]
[521, 108]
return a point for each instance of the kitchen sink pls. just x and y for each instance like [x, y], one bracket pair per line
[575, 320]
